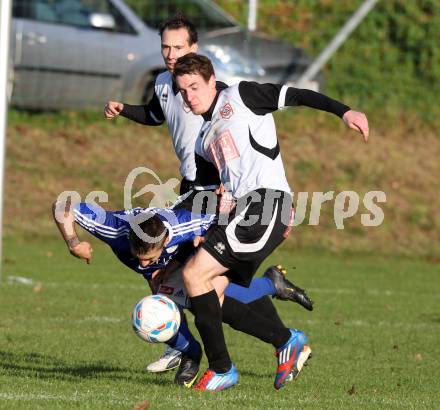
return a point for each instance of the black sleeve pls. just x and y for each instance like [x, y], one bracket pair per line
[259, 98]
[265, 98]
[308, 98]
[150, 114]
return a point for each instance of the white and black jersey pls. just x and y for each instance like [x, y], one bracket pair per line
[167, 105]
[239, 137]
[239, 134]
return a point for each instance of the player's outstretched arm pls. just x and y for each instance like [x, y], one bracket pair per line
[264, 98]
[353, 119]
[149, 114]
[65, 221]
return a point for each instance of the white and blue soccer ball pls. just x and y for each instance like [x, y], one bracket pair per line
[155, 318]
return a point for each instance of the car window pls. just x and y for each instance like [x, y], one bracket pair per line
[21, 8]
[122, 25]
[69, 12]
[204, 15]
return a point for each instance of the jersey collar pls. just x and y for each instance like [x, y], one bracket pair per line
[219, 86]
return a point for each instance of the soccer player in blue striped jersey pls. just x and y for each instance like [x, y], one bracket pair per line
[154, 243]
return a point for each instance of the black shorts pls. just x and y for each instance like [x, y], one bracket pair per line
[260, 222]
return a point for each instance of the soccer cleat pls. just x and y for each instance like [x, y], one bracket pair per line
[291, 358]
[169, 360]
[212, 381]
[188, 370]
[286, 290]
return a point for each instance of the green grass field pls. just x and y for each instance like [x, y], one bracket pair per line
[66, 339]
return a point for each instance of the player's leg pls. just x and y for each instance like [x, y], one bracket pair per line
[191, 356]
[272, 283]
[276, 285]
[198, 274]
[242, 248]
[189, 361]
[221, 373]
[184, 343]
[186, 353]
[189, 366]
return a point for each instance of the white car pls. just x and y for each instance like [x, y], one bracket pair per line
[81, 53]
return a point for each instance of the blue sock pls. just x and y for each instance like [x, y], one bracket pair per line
[184, 341]
[258, 288]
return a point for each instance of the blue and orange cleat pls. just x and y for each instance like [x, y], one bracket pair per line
[291, 358]
[213, 381]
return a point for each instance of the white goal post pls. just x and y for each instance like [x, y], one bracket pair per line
[5, 26]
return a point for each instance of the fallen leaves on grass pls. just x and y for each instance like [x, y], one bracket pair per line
[142, 406]
[38, 287]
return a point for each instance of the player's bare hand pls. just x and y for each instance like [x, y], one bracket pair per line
[82, 250]
[225, 200]
[198, 240]
[357, 121]
[112, 109]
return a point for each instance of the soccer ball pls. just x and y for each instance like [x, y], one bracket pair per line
[155, 318]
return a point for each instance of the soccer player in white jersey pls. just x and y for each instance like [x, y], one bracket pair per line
[239, 138]
[178, 37]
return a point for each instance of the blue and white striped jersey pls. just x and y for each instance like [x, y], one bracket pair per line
[113, 228]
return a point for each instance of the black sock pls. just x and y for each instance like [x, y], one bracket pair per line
[241, 317]
[208, 320]
[264, 306]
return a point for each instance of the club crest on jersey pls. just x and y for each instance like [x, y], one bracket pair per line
[164, 97]
[226, 111]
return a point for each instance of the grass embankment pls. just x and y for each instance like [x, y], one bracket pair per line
[51, 153]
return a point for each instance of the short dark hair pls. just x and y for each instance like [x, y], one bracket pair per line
[193, 63]
[180, 21]
[154, 228]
